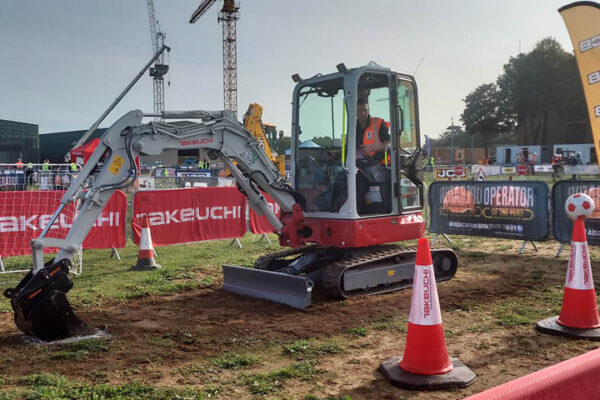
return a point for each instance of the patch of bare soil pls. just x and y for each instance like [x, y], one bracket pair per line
[155, 338]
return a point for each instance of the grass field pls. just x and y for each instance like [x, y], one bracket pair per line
[176, 335]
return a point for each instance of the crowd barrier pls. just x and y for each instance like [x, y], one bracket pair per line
[190, 215]
[24, 214]
[36, 176]
[510, 171]
[490, 209]
[500, 209]
[576, 378]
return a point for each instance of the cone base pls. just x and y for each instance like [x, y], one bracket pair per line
[142, 267]
[459, 377]
[552, 327]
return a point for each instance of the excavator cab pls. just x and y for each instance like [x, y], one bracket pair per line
[338, 179]
[358, 193]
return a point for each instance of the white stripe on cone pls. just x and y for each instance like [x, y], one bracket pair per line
[146, 240]
[579, 277]
[425, 305]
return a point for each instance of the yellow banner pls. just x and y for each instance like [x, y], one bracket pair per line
[583, 23]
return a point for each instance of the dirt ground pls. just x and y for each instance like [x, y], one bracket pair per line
[491, 282]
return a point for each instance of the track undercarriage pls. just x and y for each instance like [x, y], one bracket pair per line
[344, 273]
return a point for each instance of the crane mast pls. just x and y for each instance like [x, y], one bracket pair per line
[160, 69]
[228, 15]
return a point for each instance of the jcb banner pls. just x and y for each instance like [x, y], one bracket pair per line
[583, 23]
[562, 226]
[190, 215]
[457, 172]
[502, 209]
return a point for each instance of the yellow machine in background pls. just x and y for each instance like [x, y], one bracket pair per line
[266, 134]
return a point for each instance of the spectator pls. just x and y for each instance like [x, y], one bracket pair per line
[46, 166]
[20, 164]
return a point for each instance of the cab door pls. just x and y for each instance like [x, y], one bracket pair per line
[408, 186]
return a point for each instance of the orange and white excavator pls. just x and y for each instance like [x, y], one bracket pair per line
[341, 216]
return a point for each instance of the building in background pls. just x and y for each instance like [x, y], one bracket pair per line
[462, 155]
[54, 146]
[19, 140]
[586, 150]
[511, 154]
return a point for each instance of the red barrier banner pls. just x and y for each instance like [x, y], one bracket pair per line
[23, 216]
[190, 215]
[260, 224]
[109, 230]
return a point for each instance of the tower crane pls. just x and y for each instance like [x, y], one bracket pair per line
[160, 68]
[228, 16]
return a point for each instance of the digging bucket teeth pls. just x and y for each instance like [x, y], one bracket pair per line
[295, 291]
[41, 306]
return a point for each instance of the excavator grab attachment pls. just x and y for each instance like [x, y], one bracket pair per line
[41, 306]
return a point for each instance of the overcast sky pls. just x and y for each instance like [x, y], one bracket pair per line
[64, 61]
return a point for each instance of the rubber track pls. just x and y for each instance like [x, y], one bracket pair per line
[332, 276]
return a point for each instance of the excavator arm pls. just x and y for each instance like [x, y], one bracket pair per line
[39, 300]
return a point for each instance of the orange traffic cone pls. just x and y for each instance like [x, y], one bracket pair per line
[426, 364]
[579, 314]
[146, 259]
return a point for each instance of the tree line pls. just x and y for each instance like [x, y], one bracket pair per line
[534, 89]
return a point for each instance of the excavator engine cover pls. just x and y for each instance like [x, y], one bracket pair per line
[41, 306]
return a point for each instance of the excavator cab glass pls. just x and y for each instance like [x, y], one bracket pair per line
[319, 173]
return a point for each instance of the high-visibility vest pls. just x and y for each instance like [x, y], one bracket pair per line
[73, 167]
[371, 136]
[165, 172]
[20, 164]
[45, 166]
[30, 166]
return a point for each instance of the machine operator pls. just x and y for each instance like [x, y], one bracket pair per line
[372, 137]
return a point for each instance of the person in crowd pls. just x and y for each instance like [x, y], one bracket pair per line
[46, 165]
[73, 167]
[19, 164]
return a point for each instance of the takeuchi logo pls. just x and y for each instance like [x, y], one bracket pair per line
[192, 214]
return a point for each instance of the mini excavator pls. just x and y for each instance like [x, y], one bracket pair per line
[340, 216]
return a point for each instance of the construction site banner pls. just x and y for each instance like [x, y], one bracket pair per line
[190, 215]
[583, 23]
[260, 224]
[501, 209]
[109, 230]
[562, 226]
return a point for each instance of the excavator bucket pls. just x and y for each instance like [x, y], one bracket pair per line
[41, 306]
[295, 291]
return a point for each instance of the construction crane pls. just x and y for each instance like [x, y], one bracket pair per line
[228, 16]
[160, 68]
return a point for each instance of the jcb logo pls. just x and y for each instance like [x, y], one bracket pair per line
[449, 172]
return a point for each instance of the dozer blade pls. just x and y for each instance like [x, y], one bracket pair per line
[41, 306]
[295, 291]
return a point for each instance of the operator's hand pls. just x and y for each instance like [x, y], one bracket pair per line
[367, 149]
